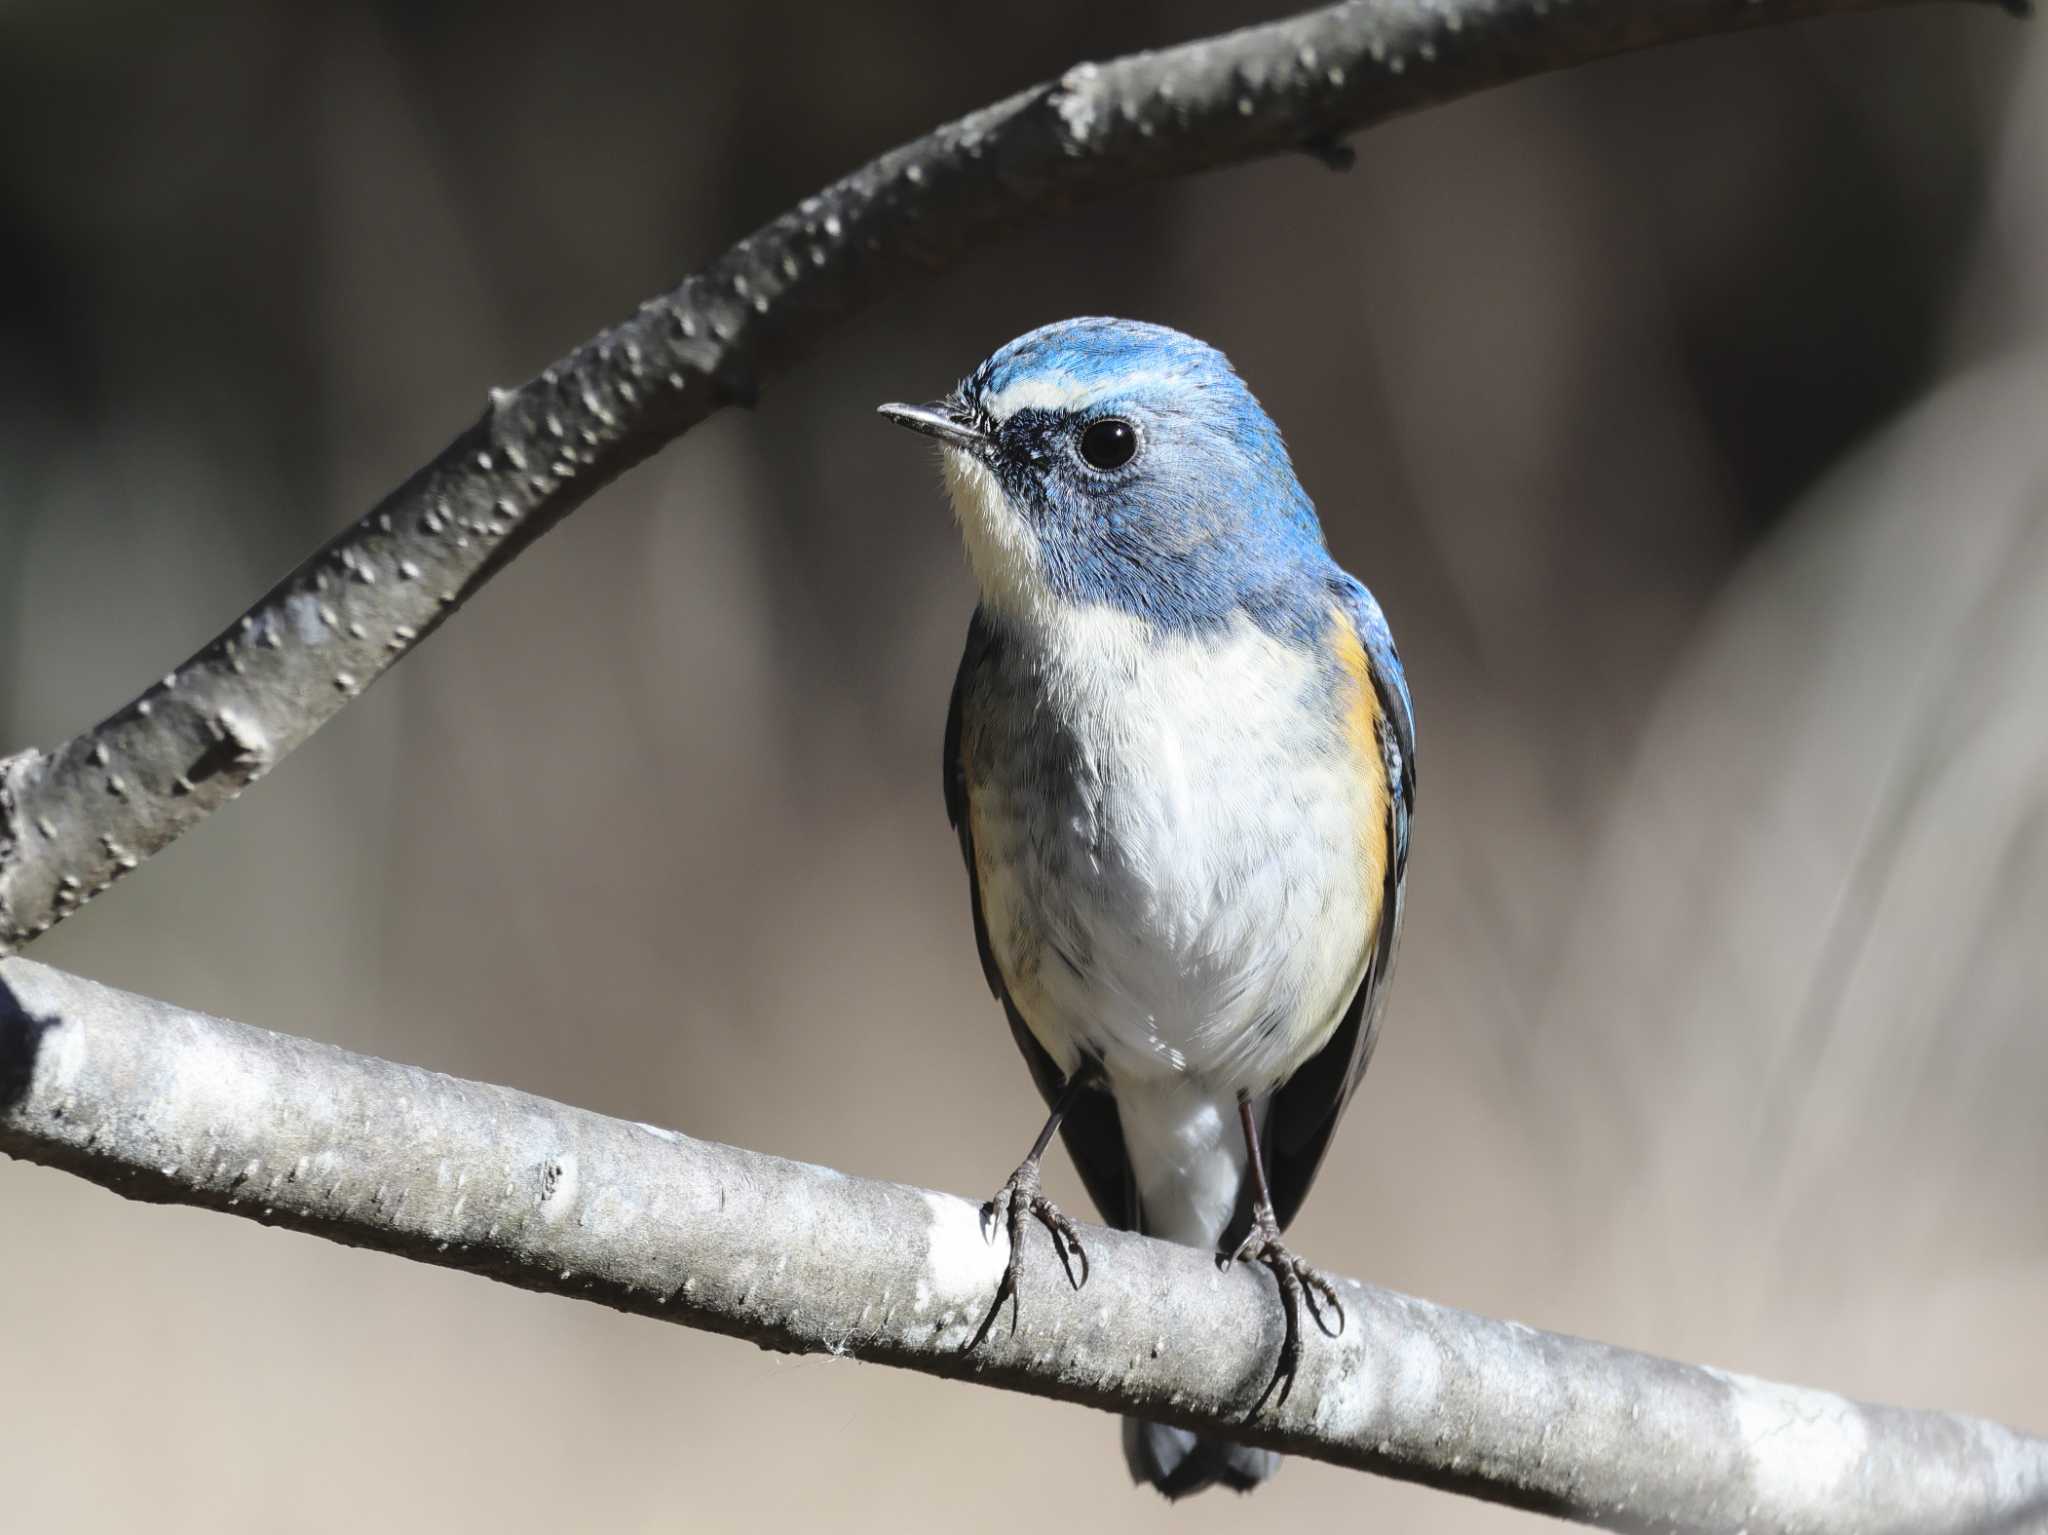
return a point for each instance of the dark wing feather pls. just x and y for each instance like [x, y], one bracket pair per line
[1092, 1130]
[1303, 1112]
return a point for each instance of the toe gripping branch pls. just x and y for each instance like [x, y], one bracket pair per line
[1015, 1205]
[1298, 1281]
[1020, 1201]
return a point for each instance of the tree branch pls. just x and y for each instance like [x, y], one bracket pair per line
[75, 820]
[160, 1104]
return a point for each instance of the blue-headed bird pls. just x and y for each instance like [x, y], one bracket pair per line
[1180, 759]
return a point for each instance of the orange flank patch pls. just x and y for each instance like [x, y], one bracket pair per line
[1363, 722]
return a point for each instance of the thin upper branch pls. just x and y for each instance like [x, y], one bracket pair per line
[165, 1105]
[76, 819]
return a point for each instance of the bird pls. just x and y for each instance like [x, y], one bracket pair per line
[1180, 761]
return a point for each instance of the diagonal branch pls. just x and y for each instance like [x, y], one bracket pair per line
[75, 820]
[165, 1105]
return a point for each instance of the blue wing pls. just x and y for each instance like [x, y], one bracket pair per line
[1304, 1110]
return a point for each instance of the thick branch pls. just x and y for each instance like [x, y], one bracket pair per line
[160, 1104]
[75, 820]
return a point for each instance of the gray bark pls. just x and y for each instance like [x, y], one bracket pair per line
[161, 1104]
[75, 820]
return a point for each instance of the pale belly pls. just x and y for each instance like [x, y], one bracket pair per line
[1170, 860]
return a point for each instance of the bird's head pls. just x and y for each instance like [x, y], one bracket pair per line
[1102, 462]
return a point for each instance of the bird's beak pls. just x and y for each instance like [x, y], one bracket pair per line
[948, 420]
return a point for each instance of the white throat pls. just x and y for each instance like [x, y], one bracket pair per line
[1002, 546]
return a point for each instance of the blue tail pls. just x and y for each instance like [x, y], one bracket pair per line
[1179, 1462]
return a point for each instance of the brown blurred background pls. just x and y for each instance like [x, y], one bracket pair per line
[1686, 414]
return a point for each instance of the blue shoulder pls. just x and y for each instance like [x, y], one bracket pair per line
[1388, 677]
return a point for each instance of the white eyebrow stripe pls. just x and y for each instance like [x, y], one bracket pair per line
[1063, 392]
[1040, 391]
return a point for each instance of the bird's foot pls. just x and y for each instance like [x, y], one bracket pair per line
[1299, 1283]
[1015, 1205]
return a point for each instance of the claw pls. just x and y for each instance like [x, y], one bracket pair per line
[1066, 1238]
[995, 1215]
[1015, 1204]
[1298, 1282]
[1317, 1283]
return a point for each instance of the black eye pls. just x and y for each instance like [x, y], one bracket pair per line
[1109, 443]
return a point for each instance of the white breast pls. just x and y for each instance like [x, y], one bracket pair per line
[1186, 899]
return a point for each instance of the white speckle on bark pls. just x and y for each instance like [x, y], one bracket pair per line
[64, 1049]
[1802, 1444]
[309, 624]
[960, 1265]
[1075, 101]
[211, 1068]
[1417, 1387]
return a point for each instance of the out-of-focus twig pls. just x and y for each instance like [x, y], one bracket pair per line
[76, 819]
[161, 1104]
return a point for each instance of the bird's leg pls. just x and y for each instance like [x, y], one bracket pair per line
[1298, 1281]
[1018, 1201]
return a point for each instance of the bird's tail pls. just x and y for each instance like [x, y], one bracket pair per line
[1179, 1462]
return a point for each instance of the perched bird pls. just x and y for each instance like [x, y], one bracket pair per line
[1180, 760]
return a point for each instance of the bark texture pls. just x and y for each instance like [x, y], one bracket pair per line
[161, 1104]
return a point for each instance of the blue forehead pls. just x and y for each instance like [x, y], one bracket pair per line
[1100, 351]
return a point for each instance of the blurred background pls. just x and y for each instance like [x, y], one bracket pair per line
[1686, 414]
